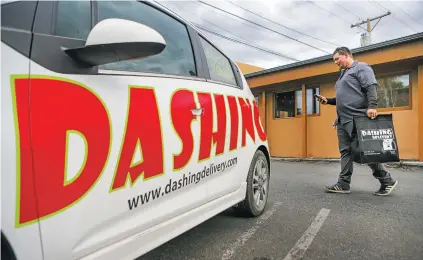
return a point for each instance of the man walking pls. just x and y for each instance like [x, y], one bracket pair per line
[355, 96]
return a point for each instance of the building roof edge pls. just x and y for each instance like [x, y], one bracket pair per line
[389, 43]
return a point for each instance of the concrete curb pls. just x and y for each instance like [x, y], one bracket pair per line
[336, 160]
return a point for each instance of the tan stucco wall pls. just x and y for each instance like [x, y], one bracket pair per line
[323, 141]
[287, 136]
[247, 68]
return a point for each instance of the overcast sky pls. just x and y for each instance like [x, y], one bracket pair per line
[323, 25]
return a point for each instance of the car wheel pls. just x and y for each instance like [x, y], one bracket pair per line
[6, 249]
[257, 187]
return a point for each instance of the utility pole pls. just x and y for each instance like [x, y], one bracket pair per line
[366, 38]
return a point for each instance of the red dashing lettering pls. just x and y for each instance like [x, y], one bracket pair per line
[25, 195]
[55, 107]
[181, 107]
[247, 120]
[259, 128]
[233, 107]
[207, 136]
[142, 128]
[219, 137]
[47, 109]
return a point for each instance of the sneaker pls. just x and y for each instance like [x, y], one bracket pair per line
[386, 189]
[337, 189]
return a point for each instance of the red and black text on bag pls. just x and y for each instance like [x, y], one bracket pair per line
[376, 140]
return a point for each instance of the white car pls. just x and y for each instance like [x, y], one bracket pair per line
[123, 126]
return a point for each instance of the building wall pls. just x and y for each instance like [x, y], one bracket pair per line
[286, 138]
[247, 68]
[292, 137]
[262, 109]
[285, 134]
[322, 137]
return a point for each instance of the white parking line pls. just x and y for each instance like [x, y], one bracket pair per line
[297, 252]
[246, 235]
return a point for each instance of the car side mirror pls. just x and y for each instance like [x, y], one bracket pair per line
[114, 40]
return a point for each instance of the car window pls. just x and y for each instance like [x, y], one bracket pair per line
[73, 19]
[219, 66]
[177, 58]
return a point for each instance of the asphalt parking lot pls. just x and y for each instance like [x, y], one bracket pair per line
[304, 222]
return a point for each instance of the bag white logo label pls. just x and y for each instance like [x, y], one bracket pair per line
[388, 145]
[377, 134]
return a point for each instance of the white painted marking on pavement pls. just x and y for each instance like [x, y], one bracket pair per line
[247, 234]
[297, 252]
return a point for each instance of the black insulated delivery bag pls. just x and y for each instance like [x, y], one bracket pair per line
[376, 141]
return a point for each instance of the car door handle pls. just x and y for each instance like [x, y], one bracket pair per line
[198, 111]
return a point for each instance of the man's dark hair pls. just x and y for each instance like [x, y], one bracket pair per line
[342, 51]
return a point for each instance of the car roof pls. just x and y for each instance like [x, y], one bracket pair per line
[9, 1]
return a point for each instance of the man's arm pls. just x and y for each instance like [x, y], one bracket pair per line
[368, 83]
[325, 101]
[331, 101]
[371, 96]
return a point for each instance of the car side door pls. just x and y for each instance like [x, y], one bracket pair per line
[231, 164]
[114, 144]
[17, 241]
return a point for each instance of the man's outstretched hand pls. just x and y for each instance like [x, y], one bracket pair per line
[372, 113]
[321, 99]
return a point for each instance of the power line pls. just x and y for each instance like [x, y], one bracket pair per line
[215, 25]
[282, 24]
[231, 17]
[263, 27]
[226, 15]
[405, 12]
[245, 43]
[395, 17]
[229, 38]
[348, 11]
[332, 13]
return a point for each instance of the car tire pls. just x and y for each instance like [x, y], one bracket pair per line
[257, 193]
[6, 249]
